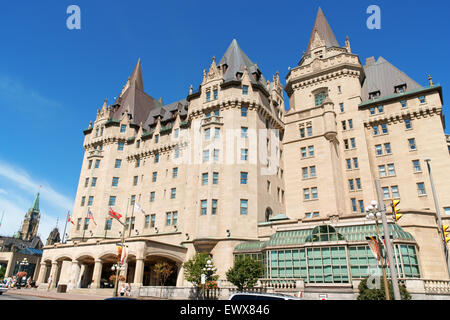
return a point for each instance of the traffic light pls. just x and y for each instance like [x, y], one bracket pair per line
[395, 210]
[446, 230]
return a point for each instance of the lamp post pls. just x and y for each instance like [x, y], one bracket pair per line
[438, 214]
[374, 214]
[117, 267]
[208, 270]
[23, 263]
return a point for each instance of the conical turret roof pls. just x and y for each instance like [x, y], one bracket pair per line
[324, 30]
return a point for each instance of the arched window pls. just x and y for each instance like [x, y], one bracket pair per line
[268, 213]
[324, 233]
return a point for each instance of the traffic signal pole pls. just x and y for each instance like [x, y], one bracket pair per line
[387, 239]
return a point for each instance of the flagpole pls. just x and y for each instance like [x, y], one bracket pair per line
[65, 226]
[84, 229]
[1, 221]
[119, 263]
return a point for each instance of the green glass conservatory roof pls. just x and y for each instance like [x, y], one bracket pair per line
[300, 237]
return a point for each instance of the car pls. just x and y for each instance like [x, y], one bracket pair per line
[3, 288]
[261, 296]
[120, 298]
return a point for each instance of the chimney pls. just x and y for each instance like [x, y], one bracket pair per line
[370, 61]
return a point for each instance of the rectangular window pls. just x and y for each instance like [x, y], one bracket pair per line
[138, 163]
[78, 223]
[152, 220]
[384, 128]
[408, 124]
[372, 110]
[349, 163]
[382, 171]
[244, 112]
[311, 151]
[412, 144]
[216, 155]
[302, 132]
[156, 138]
[168, 218]
[118, 163]
[447, 210]
[375, 130]
[205, 156]
[303, 152]
[205, 178]
[108, 224]
[358, 183]
[215, 177]
[123, 128]
[380, 109]
[351, 184]
[138, 144]
[361, 206]
[207, 134]
[341, 107]
[152, 196]
[154, 176]
[391, 169]
[112, 201]
[387, 148]
[350, 124]
[244, 177]
[309, 130]
[244, 154]
[319, 98]
[378, 150]
[86, 182]
[244, 131]
[244, 89]
[147, 221]
[354, 209]
[386, 193]
[175, 218]
[208, 96]
[132, 223]
[135, 180]
[416, 166]
[90, 164]
[421, 189]
[216, 133]
[90, 201]
[157, 158]
[395, 193]
[204, 205]
[133, 200]
[173, 193]
[355, 163]
[120, 146]
[97, 164]
[306, 194]
[305, 173]
[346, 144]
[174, 173]
[344, 125]
[312, 171]
[403, 103]
[215, 94]
[214, 206]
[244, 206]
[115, 181]
[83, 200]
[314, 193]
[177, 133]
[422, 99]
[353, 143]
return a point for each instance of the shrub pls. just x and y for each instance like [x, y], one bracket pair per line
[378, 294]
[245, 273]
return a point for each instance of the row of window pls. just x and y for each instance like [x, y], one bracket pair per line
[382, 128]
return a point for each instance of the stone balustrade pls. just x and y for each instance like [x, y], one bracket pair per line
[437, 286]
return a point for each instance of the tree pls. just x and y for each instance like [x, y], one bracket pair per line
[163, 271]
[378, 294]
[245, 273]
[193, 269]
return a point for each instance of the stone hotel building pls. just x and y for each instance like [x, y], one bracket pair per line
[228, 171]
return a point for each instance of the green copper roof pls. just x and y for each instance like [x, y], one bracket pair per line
[35, 206]
[300, 237]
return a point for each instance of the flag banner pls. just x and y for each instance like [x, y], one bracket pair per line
[91, 216]
[114, 214]
[124, 255]
[373, 244]
[70, 219]
[138, 208]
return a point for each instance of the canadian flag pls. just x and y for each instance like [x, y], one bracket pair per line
[70, 220]
[114, 214]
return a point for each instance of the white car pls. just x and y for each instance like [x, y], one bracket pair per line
[3, 288]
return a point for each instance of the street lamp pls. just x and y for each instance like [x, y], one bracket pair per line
[374, 214]
[438, 214]
[208, 270]
[117, 267]
[23, 264]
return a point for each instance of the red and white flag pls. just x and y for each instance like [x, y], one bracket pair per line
[70, 220]
[114, 214]
[124, 255]
[138, 208]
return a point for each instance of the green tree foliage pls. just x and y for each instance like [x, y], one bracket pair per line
[193, 269]
[378, 294]
[245, 273]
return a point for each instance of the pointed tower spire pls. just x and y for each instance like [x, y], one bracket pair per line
[323, 30]
[136, 77]
[35, 206]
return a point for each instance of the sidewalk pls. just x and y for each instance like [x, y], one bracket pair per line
[55, 295]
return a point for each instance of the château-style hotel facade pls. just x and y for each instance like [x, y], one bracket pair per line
[228, 171]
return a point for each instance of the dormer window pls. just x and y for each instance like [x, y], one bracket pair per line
[319, 98]
[245, 90]
[374, 95]
[400, 89]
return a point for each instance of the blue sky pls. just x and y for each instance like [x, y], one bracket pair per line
[52, 80]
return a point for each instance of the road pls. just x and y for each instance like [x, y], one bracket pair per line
[11, 296]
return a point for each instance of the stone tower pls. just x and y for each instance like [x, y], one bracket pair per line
[30, 224]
